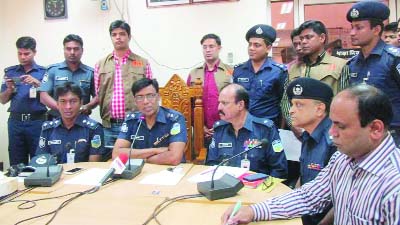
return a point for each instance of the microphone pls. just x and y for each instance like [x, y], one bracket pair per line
[117, 167]
[228, 185]
[141, 118]
[44, 176]
[135, 166]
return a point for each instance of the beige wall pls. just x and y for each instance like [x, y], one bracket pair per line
[170, 35]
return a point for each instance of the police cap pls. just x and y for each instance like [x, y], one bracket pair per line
[262, 31]
[368, 10]
[309, 88]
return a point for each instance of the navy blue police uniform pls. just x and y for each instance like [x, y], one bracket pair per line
[170, 127]
[317, 147]
[85, 137]
[269, 160]
[26, 115]
[381, 68]
[266, 86]
[58, 74]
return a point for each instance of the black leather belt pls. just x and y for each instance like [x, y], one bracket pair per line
[27, 116]
[112, 120]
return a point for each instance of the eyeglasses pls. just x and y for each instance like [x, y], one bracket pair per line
[269, 182]
[149, 97]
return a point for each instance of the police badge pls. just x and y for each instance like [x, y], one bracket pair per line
[42, 142]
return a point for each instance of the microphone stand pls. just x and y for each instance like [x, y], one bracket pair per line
[228, 185]
[131, 172]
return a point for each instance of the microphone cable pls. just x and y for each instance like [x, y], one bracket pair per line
[8, 198]
[168, 201]
[61, 206]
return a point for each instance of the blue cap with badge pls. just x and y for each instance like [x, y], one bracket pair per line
[364, 10]
[262, 31]
[309, 88]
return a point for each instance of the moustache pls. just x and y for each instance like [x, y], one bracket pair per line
[221, 113]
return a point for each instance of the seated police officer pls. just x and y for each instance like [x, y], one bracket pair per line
[238, 128]
[310, 100]
[73, 132]
[155, 133]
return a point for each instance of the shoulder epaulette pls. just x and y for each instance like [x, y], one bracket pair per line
[172, 115]
[132, 115]
[238, 65]
[87, 67]
[52, 65]
[392, 51]
[263, 121]
[90, 123]
[51, 124]
[10, 68]
[219, 123]
[280, 66]
[351, 59]
[328, 138]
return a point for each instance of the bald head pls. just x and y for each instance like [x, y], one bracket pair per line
[372, 104]
[238, 92]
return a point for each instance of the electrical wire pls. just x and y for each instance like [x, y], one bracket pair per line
[125, 8]
[160, 207]
[61, 206]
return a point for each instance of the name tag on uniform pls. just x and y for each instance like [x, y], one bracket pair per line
[61, 78]
[139, 138]
[54, 142]
[243, 80]
[224, 145]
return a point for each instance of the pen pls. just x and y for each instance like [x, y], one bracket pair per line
[235, 210]
[207, 171]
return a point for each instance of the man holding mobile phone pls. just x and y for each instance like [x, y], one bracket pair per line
[27, 114]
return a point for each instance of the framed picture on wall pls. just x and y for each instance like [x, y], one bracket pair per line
[156, 3]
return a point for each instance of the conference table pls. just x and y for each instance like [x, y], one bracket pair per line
[130, 202]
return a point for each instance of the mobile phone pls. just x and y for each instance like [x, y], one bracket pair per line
[73, 171]
[254, 177]
[17, 80]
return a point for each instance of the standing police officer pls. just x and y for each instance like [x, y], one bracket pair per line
[378, 64]
[264, 79]
[73, 70]
[155, 133]
[310, 100]
[26, 112]
[73, 137]
[238, 129]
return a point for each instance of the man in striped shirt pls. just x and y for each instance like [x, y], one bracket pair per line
[362, 179]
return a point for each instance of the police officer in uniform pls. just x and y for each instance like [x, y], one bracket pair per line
[238, 129]
[73, 137]
[155, 133]
[310, 101]
[264, 79]
[27, 114]
[378, 64]
[71, 70]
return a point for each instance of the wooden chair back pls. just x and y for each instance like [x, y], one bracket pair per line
[187, 100]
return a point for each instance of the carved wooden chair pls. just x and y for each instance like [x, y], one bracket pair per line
[178, 96]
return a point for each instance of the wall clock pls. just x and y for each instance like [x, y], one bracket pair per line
[55, 9]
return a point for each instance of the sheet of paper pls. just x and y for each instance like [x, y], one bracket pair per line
[164, 177]
[207, 174]
[291, 145]
[89, 177]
